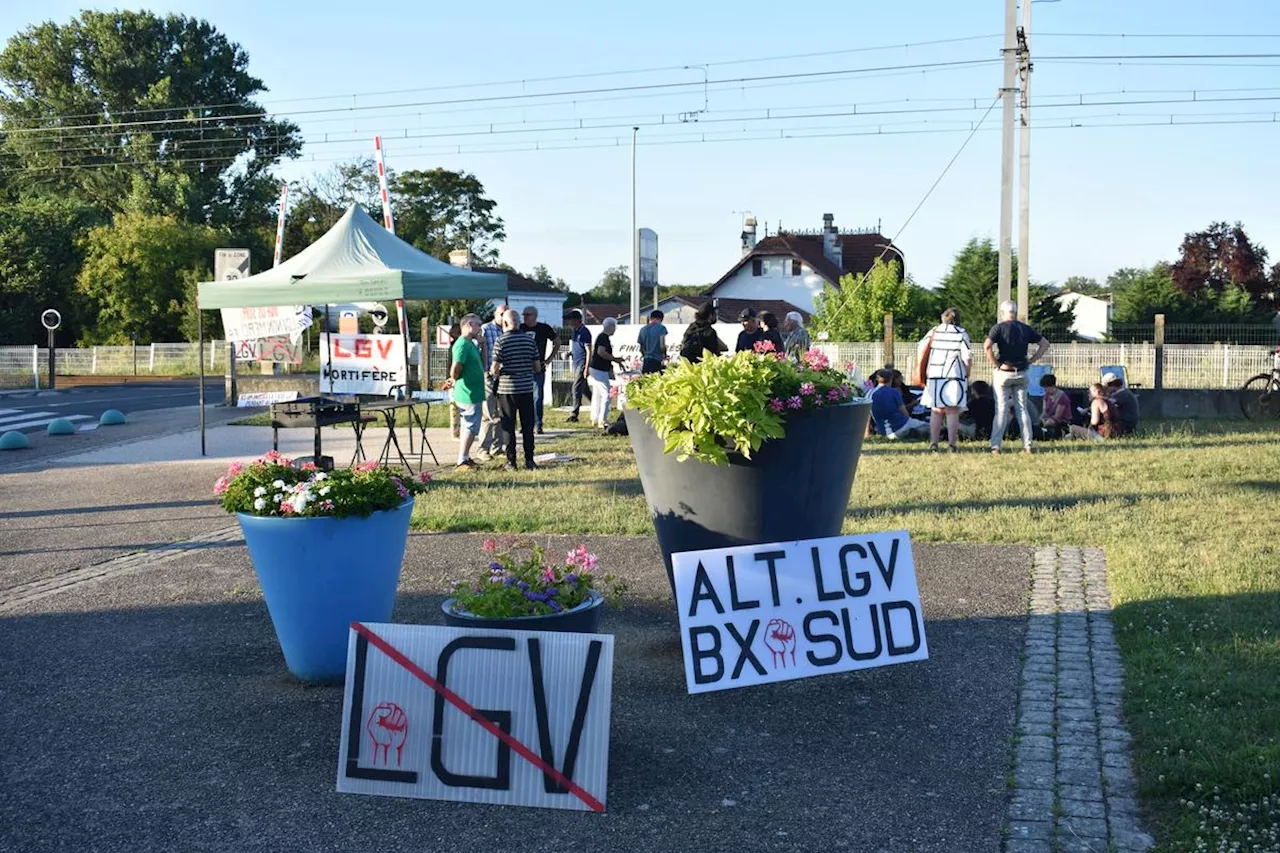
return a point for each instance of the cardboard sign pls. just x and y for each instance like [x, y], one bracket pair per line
[253, 399]
[473, 715]
[362, 364]
[278, 349]
[761, 613]
[251, 324]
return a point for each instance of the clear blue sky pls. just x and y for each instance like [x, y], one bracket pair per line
[1102, 197]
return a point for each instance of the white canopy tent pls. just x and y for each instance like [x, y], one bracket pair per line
[357, 260]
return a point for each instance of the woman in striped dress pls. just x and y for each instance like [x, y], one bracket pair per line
[946, 376]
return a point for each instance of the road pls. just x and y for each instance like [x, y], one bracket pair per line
[29, 411]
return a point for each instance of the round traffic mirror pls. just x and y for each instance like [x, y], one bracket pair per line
[51, 319]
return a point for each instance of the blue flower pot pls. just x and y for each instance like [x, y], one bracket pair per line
[583, 619]
[319, 575]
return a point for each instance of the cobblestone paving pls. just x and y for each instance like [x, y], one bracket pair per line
[1073, 782]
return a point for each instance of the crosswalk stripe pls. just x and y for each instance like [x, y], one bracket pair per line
[25, 416]
[10, 411]
[39, 423]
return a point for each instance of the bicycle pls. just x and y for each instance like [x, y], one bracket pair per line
[1260, 396]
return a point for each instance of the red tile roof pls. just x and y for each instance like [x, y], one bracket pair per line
[858, 254]
[593, 313]
[727, 310]
[517, 283]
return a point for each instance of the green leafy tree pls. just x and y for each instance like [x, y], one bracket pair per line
[1085, 285]
[614, 287]
[136, 112]
[137, 275]
[40, 256]
[543, 276]
[855, 310]
[972, 285]
[439, 210]
[1141, 294]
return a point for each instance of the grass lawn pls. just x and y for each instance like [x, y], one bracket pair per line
[1182, 512]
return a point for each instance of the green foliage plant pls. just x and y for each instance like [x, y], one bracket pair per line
[736, 403]
[274, 486]
[523, 581]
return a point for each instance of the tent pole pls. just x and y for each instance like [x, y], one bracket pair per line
[200, 359]
[328, 349]
[403, 308]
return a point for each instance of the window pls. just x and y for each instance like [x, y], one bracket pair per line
[757, 266]
[795, 267]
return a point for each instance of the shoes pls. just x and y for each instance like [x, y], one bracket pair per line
[995, 451]
[573, 419]
[509, 466]
[530, 465]
[540, 431]
[951, 448]
[1028, 451]
[466, 465]
[933, 448]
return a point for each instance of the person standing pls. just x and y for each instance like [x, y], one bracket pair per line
[543, 334]
[579, 349]
[701, 338]
[772, 333]
[514, 356]
[602, 360]
[945, 356]
[492, 441]
[466, 379]
[751, 333]
[795, 340]
[653, 344]
[1006, 347]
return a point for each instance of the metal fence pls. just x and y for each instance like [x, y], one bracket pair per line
[1075, 364]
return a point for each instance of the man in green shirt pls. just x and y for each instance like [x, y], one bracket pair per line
[466, 378]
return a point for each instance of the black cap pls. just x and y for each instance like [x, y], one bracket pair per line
[747, 314]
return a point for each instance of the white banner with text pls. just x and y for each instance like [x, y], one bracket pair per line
[362, 364]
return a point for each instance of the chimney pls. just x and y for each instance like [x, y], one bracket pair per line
[748, 235]
[831, 247]
[461, 258]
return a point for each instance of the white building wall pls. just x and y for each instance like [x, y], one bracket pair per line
[550, 308]
[1092, 315]
[776, 283]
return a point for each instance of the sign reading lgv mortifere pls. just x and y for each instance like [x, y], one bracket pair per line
[760, 613]
[483, 716]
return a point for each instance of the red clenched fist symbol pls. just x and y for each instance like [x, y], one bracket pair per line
[388, 727]
[780, 638]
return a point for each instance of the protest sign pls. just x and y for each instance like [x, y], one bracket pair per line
[254, 399]
[250, 324]
[278, 349]
[362, 364]
[437, 713]
[627, 347]
[754, 614]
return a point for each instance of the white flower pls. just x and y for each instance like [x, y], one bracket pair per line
[259, 503]
[300, 501]
[260, 491]
[279, 498]
[324, 491]
[320, 475]
[279, 484]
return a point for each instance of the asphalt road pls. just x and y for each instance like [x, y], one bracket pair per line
[150, 711]
[31, 411]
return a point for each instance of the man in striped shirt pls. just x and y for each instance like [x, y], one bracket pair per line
[491, 438]
[513, 363]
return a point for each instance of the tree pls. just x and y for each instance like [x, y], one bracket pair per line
[1084, 285]
[543, 276]
[39, 259]
[439, 210]
[614, 287]
[1218, 260]
[855, 310]
[972, 285]
[1140, 294]
[137, 274]
[135, 112]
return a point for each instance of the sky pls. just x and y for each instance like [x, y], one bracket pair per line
[783, 112]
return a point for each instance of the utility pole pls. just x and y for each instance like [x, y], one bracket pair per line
[635, 236]
[1024, 163]
[1006, 149]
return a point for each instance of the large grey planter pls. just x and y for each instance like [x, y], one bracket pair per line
[795, 487]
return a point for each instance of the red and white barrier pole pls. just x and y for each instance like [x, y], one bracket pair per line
[284, 200]
[390, 226]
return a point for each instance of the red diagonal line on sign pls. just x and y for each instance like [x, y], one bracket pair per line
[488, 725]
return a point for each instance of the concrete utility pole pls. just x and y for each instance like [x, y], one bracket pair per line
[1006, 149]
[1024, 163]
[635, 236]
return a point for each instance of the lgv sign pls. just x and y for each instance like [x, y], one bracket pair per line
[486, 716]
[759, 613]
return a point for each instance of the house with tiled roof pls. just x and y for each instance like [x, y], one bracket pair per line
[522, 291]
[795, 266]
[680, 309]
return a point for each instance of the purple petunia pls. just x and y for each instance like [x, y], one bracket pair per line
[795, 403]
[776, 404]
[807, 388]
[571, 578]
[554, 606]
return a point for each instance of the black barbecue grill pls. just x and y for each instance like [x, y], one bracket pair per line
[314, 413]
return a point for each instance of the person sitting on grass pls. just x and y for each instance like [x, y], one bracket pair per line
[1055, 417]
[982, 409]
[889, 413]
[1104, 416]
[1125, 401]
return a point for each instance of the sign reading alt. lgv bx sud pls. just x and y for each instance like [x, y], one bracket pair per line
[754, 614]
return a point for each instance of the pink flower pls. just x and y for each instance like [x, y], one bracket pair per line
[849, 367]
[816, 360]
[286, 508]
[817, 402]
[308, 466]
[221, 485]
[326, 506]
[589, 563]
[764, 346]
[424, 477]
[795, 403]
[367, 466]
[846, 391]
[235, 469]
[549, 575]
[833, 394]
[490, 546]
[807, 389]
[776, 404]
[780, 356]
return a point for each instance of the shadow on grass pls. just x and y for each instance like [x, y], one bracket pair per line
[1056, 503]
[1262, 485]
